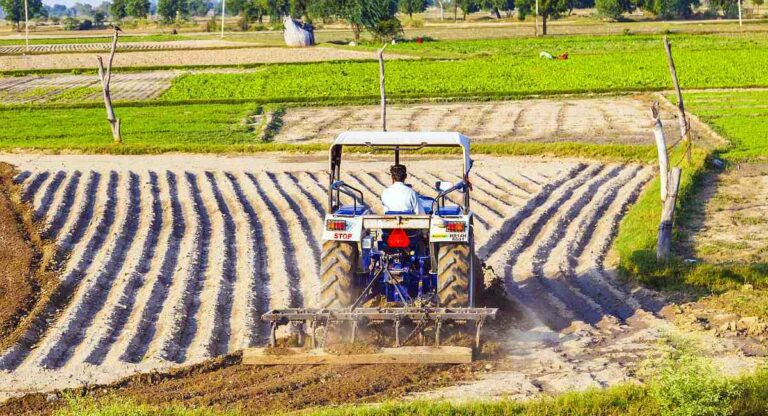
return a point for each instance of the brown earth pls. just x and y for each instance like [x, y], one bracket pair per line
[223, 383]
[21, 252]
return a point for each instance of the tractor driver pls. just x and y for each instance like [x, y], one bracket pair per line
[400, 197]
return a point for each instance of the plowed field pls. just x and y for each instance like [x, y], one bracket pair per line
[167, 267]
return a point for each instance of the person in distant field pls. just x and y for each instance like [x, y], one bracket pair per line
[400, 197]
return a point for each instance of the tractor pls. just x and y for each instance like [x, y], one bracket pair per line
[395, 266]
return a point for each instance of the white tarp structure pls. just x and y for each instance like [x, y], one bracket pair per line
[298, 34]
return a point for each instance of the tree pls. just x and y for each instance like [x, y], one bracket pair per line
[137, 8]
[197, 7]
[117, 10]
[98, 19]
[410, 7]
[670, 9]
[548, 9]
[442, 4]
[58, 10]
[378, 17]
[103, 8]
[83, 9]
[498, 6]
[170, 10]
[467, 7]
[758, 3]
[14, 10]
[613, 9]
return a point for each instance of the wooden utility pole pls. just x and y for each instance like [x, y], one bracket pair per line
[382, 89]
[26, 27]
[661, 146]
[739, 3]
[106, 77]
[685, 132]
[670, 183]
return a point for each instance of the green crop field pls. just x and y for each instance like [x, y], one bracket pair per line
[496, 68]
[194, 126]
[740, 116]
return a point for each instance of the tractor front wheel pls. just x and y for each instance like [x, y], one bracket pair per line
[453, 275]
[337, 274]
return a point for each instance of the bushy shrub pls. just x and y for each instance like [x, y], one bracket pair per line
[70, 23]
[688, 385]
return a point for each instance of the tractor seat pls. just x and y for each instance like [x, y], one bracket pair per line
[352, 210]
[449, 210]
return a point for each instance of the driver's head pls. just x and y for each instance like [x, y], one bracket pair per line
[398, 173]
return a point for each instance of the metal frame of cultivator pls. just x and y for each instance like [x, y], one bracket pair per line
[423, 318]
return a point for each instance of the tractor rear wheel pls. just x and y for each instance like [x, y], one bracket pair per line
[453, 275]
[337, 274]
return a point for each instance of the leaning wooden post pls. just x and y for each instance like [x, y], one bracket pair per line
[683, 120]
[382, 89]
[664, 246]
[106, 77]
[661, 146]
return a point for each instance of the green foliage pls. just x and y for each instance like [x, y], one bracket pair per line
[614, 8]
[513, 69]
[117, 9]
[498, 6]
[410, 7]
[739, 116]
[688, 385]
[14, 9]
[670, 9]
[197, 7]
[548, 9]
[137, 8]
[170, 10]
[467, 7]
[378, 17]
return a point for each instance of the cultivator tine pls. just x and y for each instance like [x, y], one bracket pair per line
[438, 326]
[397, 332]
[478, 328]
[273, 334]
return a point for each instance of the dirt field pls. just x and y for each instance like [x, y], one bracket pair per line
[185, 57]
[122, 47]
[731, 225]
[38, 89]
[170, 267]
[148, 300]
[621, 120]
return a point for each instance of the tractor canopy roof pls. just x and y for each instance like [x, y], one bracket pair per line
[405, 140]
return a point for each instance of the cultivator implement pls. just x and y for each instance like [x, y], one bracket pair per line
[422, 320]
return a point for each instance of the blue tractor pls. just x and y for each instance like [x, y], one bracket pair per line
[396, 266]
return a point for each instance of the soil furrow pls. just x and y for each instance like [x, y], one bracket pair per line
[21, 177]
[147, 326]
[582, 232]
[132, 280]
[184, 316]
[530, 292]
[78, 229]
[64, 207]
[307, 195]
[584, 308]
[219, 339]
[289, 274]
[96, 289]
[257, 284]
[31, 189]
[506, 230]
[50, 192]
[307, 214]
